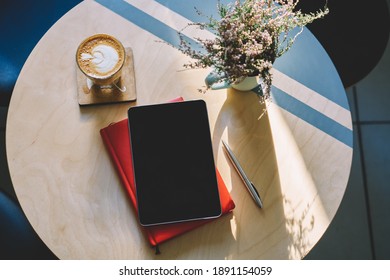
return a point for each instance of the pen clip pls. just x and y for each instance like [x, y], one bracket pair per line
[258, 198]
[254, 188]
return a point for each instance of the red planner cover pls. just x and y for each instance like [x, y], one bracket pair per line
[117, 142]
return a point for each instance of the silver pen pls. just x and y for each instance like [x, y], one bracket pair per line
[249, 185]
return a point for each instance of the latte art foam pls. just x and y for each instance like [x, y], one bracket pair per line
[100, 56]
[103, 58]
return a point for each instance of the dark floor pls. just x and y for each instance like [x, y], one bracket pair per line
[361, 228]
[4, 175]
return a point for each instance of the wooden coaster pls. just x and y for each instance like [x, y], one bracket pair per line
[89, 94]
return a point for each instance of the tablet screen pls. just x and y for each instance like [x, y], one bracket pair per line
[173, 162]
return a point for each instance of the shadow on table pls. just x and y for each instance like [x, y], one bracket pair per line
[257, 232]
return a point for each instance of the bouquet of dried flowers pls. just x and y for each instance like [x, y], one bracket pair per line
[250, 35]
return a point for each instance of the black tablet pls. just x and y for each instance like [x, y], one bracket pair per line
[174, 169]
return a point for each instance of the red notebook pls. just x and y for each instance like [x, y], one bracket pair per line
[117, 141]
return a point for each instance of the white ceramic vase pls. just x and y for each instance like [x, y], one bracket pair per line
[247, 83]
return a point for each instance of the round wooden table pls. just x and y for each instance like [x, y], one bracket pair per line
[299, 154]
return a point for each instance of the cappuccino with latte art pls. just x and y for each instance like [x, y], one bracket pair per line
[101, 57]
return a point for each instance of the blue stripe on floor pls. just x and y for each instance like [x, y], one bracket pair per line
[282, 99]
[189, 10]
[316, 70]
[312, 116]
[146, 22]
